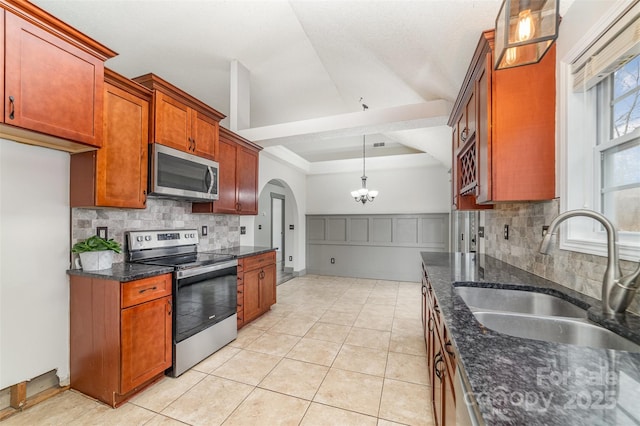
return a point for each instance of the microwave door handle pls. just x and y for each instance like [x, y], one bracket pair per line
[210, 171]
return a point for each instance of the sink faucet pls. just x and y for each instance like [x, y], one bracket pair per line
[617, 290]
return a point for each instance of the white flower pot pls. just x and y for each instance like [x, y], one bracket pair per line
[96, 260]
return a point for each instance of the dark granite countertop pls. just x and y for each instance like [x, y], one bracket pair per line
[243, 251]
[124, 272]
[517, 381]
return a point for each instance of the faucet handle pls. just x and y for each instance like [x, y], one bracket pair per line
[630, 281]
[624, 290]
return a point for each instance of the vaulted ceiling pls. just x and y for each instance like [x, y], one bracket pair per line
[308, 64]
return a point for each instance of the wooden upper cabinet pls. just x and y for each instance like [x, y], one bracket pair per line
[116, 174]
[205, 136]
[247, 172]
[227, 191]
[172, 122]
[237, 177]
[53, 80]
[509, 154]
[181, 121]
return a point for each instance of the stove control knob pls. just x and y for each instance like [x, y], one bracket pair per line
[192, 235]
[139, 238]
[147, 237]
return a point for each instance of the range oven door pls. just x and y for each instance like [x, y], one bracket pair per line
[203, 297]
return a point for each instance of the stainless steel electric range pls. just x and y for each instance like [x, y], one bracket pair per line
[204, 292]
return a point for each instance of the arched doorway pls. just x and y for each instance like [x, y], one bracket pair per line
[275, 224]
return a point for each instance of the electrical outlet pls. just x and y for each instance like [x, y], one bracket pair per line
[102, 232]
[545, 229]
[205, 230]
[290, 258]
[333, 260]
[243, 230]
[506, 232]
[481, 231]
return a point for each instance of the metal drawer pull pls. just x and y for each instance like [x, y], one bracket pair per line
[147, 289]
[13, 107]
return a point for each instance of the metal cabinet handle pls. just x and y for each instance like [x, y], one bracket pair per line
[13, 107]
[430, 325]
[464, 134]
[437, 360]
[448, 347]
[147, 289]
[170, 307]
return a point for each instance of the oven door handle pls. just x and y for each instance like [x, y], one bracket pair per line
[206, 269]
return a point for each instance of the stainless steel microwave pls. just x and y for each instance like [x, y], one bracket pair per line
[180, 175]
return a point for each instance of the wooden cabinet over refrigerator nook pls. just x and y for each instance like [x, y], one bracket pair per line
[238, 177]
[53, 80]
[181, 121]
[504, 132]
[116, 174]
[121, 335]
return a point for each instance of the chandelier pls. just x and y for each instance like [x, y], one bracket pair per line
[363, 195]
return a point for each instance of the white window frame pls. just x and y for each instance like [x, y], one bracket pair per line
[578, 151]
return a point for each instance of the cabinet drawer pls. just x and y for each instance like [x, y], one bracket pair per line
[140, 291]
[255, 262]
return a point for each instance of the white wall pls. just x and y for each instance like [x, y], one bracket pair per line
[263, 219]
[34, 255]
[406, 190]
[272, 168]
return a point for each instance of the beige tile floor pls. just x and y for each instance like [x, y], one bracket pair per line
[332, 351]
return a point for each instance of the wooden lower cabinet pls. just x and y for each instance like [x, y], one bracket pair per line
[121, 336]
[441, 359]
[256, 286]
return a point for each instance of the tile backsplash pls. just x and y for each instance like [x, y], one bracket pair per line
[223, 230]
[578, 271]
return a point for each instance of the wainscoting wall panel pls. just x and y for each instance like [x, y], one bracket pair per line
[373, 246]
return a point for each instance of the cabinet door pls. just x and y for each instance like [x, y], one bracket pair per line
[122, 161]
[252, 306]
[172, 123]
[483, 135]
[439, 375]
[227, 158]
[146, 342]
[51, 86]
[268, 287]
[205, 135]
[247, 168]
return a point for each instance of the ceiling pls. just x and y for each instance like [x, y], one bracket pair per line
[307, 63]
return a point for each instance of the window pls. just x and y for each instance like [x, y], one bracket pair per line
[599, 128]
[618, 149]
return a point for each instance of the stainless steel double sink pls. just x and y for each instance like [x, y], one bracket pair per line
[539, 316]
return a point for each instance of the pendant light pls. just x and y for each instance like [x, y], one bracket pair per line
[525, 29]
[363, 195]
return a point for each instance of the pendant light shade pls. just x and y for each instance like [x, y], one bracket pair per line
[525, 29]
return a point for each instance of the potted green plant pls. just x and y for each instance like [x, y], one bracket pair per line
[96, 253]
